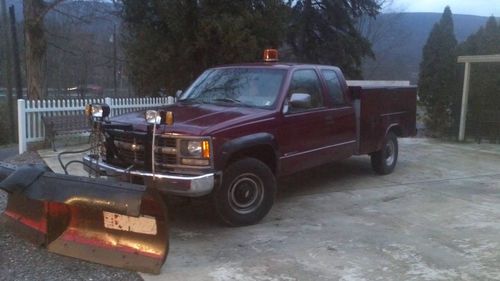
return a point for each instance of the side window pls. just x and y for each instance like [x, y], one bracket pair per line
[306, 82]
[333, 85]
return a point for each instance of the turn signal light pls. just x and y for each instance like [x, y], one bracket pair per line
[205, 149]
[88, 110]
[169, 118]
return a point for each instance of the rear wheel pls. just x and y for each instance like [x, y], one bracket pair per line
[384, 160]
[246, 193]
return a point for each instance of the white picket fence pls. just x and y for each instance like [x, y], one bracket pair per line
[30, 112]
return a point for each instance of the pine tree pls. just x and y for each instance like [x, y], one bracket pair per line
[171, 42]
[437, 75]
[485, 81]
[324, 32]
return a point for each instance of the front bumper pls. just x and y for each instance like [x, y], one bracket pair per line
[190, 186]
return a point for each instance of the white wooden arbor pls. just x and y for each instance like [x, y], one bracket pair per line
[468, 60]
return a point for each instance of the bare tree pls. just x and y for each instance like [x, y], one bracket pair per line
[69, 46]
[385, 34]
[36, 43]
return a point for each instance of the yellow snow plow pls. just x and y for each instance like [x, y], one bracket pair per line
[113, 223]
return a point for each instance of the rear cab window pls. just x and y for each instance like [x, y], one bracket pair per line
[333, 86]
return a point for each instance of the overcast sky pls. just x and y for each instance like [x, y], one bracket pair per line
[467, 7]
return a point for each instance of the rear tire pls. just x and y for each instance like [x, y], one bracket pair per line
[384, 160]
[246, 193]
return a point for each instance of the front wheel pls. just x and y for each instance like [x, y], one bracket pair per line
[384, 160]
[246, 193]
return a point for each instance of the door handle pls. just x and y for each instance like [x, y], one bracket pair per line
[329, 120]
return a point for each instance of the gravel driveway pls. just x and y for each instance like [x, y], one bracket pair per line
[435, 218]
[20, 260]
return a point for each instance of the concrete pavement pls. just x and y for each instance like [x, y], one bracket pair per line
[437, 217]
[51, 159]
[8, 151]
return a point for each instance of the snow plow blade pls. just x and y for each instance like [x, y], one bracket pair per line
[112, 223]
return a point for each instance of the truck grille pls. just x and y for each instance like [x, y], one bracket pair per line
[168, 142]
[130, 149]
[133, 149]
[165, 153]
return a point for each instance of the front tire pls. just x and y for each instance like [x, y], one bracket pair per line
[384, 160]
[246, 193]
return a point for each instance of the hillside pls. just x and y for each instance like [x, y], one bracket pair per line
[398, 40]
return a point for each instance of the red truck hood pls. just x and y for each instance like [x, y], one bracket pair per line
[197, 119]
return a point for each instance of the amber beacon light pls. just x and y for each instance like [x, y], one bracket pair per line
[270, 55]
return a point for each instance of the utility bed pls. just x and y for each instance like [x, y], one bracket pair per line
[378, 109]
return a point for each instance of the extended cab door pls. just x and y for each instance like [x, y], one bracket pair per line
[323, 132]
[343, 128]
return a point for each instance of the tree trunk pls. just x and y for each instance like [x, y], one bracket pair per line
[8, 70]
[36, 46]
[15, 49]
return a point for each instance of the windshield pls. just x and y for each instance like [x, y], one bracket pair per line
[254, 87]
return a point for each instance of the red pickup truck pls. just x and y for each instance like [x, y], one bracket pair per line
[238, 128]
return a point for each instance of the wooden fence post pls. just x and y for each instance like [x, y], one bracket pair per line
[109, 101]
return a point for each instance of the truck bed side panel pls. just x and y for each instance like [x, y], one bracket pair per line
[382, 109]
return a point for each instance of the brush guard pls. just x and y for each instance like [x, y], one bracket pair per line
[113, 223]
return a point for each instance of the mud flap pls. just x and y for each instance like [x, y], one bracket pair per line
[112, 223]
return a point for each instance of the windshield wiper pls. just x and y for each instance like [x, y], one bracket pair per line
[191, 100]
[227, 100]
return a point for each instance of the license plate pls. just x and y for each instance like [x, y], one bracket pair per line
[141, 224]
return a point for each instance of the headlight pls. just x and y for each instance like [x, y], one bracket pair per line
[196, 148]
[191, 148]
[152, 117]
[97, 110]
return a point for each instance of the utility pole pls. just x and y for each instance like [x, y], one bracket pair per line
[115, 84]
[15, 47]
[8, 70]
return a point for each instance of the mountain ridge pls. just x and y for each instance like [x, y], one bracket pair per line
[401, 37]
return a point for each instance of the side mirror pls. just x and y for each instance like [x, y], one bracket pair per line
[300, 100]
[178, 93]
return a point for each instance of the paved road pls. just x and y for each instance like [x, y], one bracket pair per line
[436, 218]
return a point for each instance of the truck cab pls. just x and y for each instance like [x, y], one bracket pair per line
[238, 128]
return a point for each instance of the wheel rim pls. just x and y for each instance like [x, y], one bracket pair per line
[246, 193]
[390, 149]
